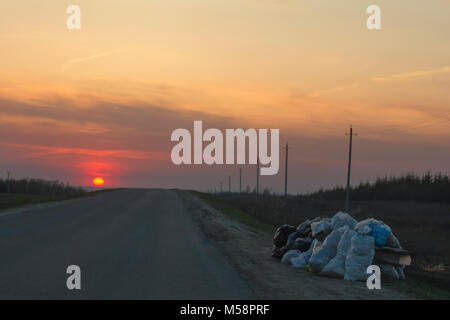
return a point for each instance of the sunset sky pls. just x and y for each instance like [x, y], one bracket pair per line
[103, 100]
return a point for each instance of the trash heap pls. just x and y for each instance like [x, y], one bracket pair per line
[341, 247]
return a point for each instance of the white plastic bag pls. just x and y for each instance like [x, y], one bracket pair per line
[341, 219]
[364, 228]
[359, 257]
[327, 252]
[336, 267]
[303, 259]
[288, 256]
[321, 229]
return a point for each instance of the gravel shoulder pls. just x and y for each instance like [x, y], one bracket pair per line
[249, 251]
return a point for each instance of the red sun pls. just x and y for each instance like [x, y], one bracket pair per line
[98, 182]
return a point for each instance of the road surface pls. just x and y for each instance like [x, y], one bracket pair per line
[129, 244]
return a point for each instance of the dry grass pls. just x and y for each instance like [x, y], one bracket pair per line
[248, 247]
[422, 228]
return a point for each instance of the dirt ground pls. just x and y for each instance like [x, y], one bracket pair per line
[249, 250]
[421, 227]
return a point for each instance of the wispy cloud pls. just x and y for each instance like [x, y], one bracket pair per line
[38, 150]
[276, 2]
[92, 57]
[411, 75]
[324, 92]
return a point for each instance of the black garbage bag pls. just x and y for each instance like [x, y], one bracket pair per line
[281, 236]
[305, 227]
[292, 237]
[299, 244]
[279, 253]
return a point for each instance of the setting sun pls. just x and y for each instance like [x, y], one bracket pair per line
[98, 182]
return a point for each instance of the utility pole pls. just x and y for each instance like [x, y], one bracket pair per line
[8, 181]
[257, 177]
[286, 172]
[240, 180]
[347, 196]
[229, 184]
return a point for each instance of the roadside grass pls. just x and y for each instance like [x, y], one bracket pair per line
[235, 213]
[13, 200]
[418, 286]
[422, 289]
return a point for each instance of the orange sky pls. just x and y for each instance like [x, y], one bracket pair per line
[103, 100]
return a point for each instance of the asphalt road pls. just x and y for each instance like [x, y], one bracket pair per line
[129, 244]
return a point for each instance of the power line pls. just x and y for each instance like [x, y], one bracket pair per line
[413, 124]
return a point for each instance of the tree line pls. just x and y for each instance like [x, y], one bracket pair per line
[38, 187]
[408, 187]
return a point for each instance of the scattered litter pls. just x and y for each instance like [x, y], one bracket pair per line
[341, 247]
[436, 268]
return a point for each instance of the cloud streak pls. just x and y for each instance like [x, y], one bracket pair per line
[39, 150]
[324, 92]
[92, 57]
[411, 75]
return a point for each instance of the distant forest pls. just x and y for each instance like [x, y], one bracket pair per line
[408, 187]
[38, 187]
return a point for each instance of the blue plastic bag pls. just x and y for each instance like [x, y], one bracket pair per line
[379, 233]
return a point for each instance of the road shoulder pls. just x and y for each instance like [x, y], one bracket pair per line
[249, 250]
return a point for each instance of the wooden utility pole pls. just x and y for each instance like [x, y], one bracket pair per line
[8, 181]
[286, 172]
[347, 195]
[257, 177]
[240, 180]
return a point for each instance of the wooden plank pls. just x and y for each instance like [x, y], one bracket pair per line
[394, 256]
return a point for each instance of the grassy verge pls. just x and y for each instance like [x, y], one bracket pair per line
[417, 286]
[235, 214]
[422, 289]
[13, 200]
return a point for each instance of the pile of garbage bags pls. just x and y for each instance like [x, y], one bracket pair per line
[338, 247]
